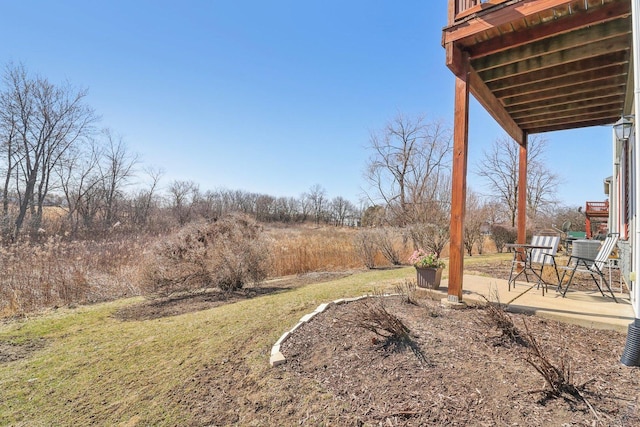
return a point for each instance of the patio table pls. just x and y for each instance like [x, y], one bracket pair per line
[524, 251]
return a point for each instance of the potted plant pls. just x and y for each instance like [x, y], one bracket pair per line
[428, 267]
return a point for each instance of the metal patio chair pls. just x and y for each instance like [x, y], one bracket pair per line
[536, 259]
[544, 257]
[595, 267]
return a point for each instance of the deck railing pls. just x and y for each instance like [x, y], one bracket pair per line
[463, 5]
[597, 208]
[461, 8]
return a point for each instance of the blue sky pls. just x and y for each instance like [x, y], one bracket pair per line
[269, 97]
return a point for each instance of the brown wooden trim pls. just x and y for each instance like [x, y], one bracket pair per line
[490, 103]
[451, 13]
[501, 17]
[454, 59]
[459, 181]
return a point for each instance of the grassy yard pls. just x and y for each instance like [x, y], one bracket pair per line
[91, 368]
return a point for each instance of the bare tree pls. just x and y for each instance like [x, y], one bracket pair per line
[374, 216]
[81, 183]
[143, 201]
[410, 157]
[341, 209]
[183, 196]
[499, 168]
[117, 170]
[317, 197]
[287, 209]
[265, 207]
[474, 219]
[8, 147]
[45, 122]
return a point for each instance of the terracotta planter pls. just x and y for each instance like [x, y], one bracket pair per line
[429, 278]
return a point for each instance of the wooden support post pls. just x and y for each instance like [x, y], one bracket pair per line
[522, 189]
[459, 180]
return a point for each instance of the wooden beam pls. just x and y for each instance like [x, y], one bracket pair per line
[583, 124]
[455, 59]
[490, 103]
[500, 17]
[459, 182]
[557, 79]
[451, 12]
[572, 121]
[522, 189]
[549, 104]
[564, 106]
[478, 8]
[594, 50]
[563, 25]
[577, 89]
[569, 113]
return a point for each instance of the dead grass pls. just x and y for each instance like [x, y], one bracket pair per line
[55, 273]
[305, 249]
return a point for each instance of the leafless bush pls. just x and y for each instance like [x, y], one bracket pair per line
[407, 290]
[431, 236]
[386, 239]
[365, 243]
[227, 253]
[496, 316]
[558, 378]
[373, 316]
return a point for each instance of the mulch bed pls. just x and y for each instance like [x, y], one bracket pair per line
[458, 369]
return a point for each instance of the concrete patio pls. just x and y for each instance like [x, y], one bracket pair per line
[585, 308]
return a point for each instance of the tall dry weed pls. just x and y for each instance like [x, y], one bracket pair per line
[302, 250]
[56, 272]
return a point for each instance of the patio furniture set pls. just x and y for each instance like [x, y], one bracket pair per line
[530, 259]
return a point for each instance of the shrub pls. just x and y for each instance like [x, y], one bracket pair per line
[408, 291]
[502, 235]
[366, 247]
[227, 253]
[373, 316]
[432, 237]
[386, 239]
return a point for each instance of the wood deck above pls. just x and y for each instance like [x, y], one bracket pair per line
[544, 65]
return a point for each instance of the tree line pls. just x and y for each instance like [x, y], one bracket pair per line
[54, 153]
